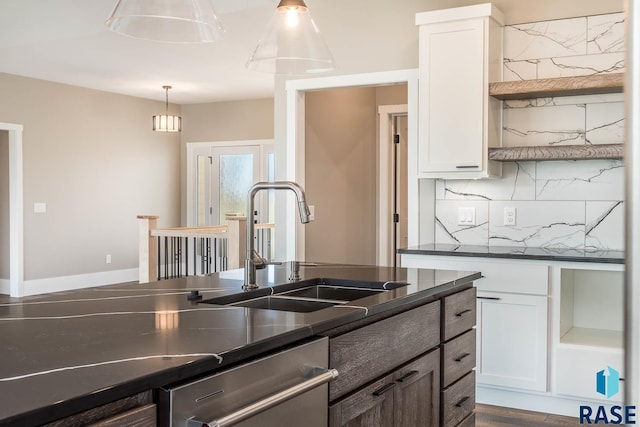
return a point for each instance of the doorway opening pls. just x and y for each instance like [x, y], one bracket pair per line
[219, 175]
[4, 211]
[354, 235]
[11, 143]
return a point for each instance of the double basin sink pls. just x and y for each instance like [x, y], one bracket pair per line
[307, 296]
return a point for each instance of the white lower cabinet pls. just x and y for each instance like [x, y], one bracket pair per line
[512, 340]
[547, 331]
[512, 307]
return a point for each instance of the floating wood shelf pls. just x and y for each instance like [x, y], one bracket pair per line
[557, 152]
[561, 86]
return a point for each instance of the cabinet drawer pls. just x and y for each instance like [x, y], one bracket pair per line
[513, 277]
[145, 416]
[459, 313]
[470, 421]
[459, 357]
[368, 352]
[459, 400]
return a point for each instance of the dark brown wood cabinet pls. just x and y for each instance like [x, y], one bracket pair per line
[407, 397]
[133, 411]
[411, 369]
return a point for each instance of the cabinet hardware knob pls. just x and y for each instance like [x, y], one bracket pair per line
[459, 358]
[385, 388]
[489, 298]
[461, 401]
[463, 312]
[407, 376]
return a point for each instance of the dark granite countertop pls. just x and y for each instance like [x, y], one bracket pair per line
[69, 351]
[548, 254]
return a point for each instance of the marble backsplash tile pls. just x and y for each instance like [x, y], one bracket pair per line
[564, 47]
[605, 33]
[563, 37]
[552, 125]
[560, 204]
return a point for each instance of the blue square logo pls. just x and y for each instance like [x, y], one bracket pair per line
[608, 382]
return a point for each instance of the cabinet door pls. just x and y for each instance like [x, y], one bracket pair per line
[370, 407]
[512, 340]
[452, 96]
[417, 392]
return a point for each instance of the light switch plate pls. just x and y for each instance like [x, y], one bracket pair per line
[312, 213]
[466, 216]
[39, 207]
[510, 216]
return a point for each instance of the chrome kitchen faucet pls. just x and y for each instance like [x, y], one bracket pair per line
[254, 260]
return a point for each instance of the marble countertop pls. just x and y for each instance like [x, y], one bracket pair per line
[549, 254]
[69, 351]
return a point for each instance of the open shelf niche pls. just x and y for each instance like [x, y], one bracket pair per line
[560, 86]
[590, 308]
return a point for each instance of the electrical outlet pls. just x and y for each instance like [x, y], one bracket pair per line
[466, 216]
[312, 213]
[510, 216]
[108, 259]
[39, 207]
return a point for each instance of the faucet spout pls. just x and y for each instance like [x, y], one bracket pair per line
[253, 259]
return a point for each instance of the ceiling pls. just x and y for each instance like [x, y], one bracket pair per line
[66, 41]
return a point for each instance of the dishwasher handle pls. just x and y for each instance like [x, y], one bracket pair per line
[268, 402]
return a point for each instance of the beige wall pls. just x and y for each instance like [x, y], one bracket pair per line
[340, 165]
[223, 121]
[4, 204]
[383, 36]
[93, 158]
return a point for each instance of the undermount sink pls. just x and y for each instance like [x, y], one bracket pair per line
[285, 304]
[306, 296]
[335, 293]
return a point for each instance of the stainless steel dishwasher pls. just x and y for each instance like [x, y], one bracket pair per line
[288, 388]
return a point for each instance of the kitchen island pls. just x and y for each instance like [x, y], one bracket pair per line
[69, 352]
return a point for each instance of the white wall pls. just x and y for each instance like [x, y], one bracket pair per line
[92, 157]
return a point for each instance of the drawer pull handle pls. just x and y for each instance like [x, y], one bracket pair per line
[467, 166]
[489, 298]
[459, 359]
[461, 402]
[407, 376]
[385, 388]
[463, 312]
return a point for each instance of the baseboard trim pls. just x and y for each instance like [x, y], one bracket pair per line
[537, 402]
[5, 286]
[80, 281]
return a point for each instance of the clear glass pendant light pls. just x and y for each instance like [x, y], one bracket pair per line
[178, 21]
[292, 44]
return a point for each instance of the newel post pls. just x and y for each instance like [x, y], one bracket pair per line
[147, 249]
[237, 241]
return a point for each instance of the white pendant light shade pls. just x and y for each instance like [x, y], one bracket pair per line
[178, 21]
[165, 122]
[292, 44]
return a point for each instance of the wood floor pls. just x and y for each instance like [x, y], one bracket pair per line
[496, 416]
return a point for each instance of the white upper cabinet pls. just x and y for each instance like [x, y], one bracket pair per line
[460, 54]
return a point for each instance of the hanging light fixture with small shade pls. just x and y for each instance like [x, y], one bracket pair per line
[177, 21]
[292, 44]
[167, 123]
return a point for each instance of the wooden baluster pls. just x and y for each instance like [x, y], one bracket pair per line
[147, 247]
[236, 241]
